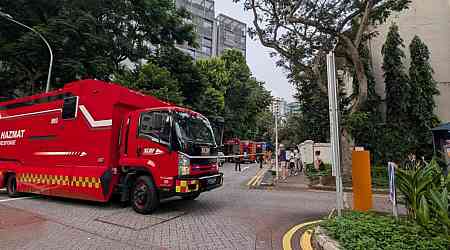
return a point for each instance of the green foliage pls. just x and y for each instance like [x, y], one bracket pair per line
[153, 80]
[396, 79]
[421, 101]
[369, 231]
[90, 39]
[221, 86]
[314, 174]
[379, 176]
[425, 195]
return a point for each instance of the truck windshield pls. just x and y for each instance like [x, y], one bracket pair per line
[194, 129]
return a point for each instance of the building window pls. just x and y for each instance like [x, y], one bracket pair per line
[206, 42]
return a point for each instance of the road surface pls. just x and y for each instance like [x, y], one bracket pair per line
[232, 217]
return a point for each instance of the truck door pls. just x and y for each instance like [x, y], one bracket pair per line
[153, 143]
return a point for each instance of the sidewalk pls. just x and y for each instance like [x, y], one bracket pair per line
[300, 182]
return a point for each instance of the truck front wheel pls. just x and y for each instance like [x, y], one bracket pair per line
[144, 197]
[11, 186]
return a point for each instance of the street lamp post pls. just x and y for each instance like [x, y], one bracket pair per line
[276, 109]
[10, 18]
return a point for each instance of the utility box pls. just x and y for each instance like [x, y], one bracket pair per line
[362, 181]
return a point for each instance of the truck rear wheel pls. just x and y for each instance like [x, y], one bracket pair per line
[144, 197]
[11, 186]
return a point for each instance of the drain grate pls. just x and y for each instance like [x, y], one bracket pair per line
[134, 221]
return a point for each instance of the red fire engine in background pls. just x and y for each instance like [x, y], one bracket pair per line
[92, 139]
[246, 149]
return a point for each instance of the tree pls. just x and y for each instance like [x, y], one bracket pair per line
[395, 78]
[397, 97]
[184, 70]
[89, 38]
[422, 92]
[153, 80]
[301, 32]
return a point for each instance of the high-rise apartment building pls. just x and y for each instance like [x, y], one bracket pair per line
[231, 34]
[203, 18]
[214, 35]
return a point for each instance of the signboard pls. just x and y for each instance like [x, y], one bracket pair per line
[392, 191]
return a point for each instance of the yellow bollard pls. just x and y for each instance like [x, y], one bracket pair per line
[362, 184]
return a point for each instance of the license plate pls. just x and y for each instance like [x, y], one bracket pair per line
[211, 181]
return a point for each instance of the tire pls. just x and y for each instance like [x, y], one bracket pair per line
[144, 196]
[191, 197]
[11, 186]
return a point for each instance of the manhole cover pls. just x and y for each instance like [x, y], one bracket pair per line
[134, 221]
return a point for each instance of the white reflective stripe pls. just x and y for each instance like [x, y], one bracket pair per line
[27, 114]
[91, 121]
[61, 154]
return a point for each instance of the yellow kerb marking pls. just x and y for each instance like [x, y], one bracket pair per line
[288, 236]
[305, 241]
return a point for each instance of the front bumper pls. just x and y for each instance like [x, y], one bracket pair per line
[186, 185]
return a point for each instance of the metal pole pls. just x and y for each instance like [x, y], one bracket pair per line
[10, 18]
[334, 129]
[276, 138]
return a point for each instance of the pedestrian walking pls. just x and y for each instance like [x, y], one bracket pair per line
[283, 162]
[291, 164]
[237, 165]
[261, 159]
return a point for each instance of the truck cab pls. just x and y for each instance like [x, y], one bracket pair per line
[176, 146]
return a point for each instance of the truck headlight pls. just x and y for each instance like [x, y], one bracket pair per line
[184, 165]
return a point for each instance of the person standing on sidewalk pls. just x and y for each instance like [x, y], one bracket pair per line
[261, 159]
[299, 161]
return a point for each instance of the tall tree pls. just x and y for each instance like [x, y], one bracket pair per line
[395, 78]
[153, 80]
[89, 38]
[422, 94]
[301, 32]
[397, 97]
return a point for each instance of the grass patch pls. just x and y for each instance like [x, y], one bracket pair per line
[370, 231]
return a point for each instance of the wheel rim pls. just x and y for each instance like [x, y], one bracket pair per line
[140, 195]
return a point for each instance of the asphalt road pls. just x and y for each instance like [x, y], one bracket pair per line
[232, 217]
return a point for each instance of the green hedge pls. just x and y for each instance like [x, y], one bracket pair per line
[312, 173]
[369, 231]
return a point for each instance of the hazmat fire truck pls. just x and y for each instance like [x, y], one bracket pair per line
[92, 139]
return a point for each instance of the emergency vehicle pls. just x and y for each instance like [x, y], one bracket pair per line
[92, 139]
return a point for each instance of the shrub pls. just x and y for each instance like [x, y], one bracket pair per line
[425, 195]
[313, 173]
[356, 230]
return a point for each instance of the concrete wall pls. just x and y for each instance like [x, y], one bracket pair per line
[308, 148]
[430, 19]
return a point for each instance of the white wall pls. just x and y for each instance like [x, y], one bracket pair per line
[308, 148]
[430, 20]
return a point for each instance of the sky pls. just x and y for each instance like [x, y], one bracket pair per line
[261, 64]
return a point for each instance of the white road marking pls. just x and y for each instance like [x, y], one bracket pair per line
[15, 199]
[245, 168]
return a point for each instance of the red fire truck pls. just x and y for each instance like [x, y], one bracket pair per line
[92, 139]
